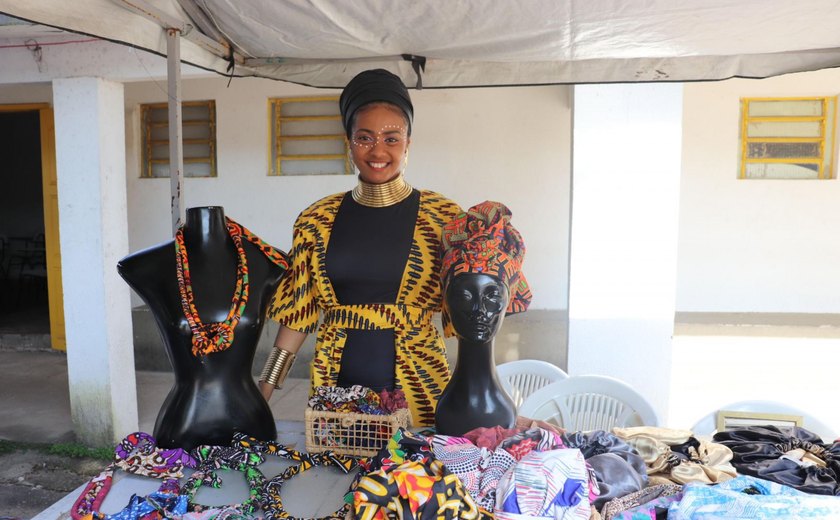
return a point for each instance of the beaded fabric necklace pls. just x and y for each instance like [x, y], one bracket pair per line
[213, 458]
[208, 338]
[272, 502]
[137, 454]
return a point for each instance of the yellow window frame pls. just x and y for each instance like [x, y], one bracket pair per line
[276, 136]
[148, 143]
[827, 130]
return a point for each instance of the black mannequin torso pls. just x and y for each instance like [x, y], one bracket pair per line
[474, 396]
[214, 395]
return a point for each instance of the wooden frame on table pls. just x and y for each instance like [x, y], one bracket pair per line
[730, 419]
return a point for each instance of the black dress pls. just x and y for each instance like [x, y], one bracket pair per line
[366, 256]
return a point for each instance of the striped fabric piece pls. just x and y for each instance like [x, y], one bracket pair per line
[549, 484]
[478, 468]
[306, 292]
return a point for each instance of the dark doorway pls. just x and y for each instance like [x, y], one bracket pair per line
[23, 275]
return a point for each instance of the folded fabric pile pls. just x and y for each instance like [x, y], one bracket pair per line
[509, 474]
[793, 456]
[489, 472]
[677, 457]
[639, 473]
[480, 468]
[794, 465]
[617, 467]
[405, 480]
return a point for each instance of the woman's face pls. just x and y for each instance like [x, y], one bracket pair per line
[477, 304]
[379, 142]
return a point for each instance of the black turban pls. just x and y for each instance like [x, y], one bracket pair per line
[371, 86]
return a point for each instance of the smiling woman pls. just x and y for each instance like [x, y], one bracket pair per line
[379, 142]
[367, 261]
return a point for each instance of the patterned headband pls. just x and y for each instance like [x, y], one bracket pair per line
[482, 240]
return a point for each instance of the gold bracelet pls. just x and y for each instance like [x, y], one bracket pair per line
[277, 367]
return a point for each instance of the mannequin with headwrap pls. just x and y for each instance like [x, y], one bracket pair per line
[482, 258]
[367, 262]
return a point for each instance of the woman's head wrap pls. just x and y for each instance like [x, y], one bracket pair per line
[483, 241]
[371, 86]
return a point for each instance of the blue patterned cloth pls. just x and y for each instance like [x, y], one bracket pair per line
[166, 505]
[746, 497]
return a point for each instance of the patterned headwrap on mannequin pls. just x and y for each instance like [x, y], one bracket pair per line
[483, 241]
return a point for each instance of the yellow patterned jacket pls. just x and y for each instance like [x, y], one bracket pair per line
[305, 292]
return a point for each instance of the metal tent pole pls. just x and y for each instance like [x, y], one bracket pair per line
[176, 147]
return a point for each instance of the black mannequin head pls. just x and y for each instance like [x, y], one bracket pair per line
[476, 304]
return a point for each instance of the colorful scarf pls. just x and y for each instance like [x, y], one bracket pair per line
[483, 241]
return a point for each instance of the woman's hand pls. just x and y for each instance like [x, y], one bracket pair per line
[266, 390]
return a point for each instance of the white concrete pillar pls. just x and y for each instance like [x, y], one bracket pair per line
[90, 155]
[623, 251]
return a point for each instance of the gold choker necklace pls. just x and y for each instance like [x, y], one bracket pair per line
[381, 195]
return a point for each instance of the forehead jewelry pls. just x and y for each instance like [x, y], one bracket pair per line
[377, 136]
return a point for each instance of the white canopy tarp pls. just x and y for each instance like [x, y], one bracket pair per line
[468, 43]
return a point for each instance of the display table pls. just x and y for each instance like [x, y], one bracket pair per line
[311, 494]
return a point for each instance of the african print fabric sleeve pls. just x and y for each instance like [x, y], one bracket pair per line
[295, 304]
[438, 210]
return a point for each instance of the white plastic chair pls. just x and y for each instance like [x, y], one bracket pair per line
[586, 403]
[708, 424]
[523, 377]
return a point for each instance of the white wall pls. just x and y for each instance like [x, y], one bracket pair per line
[712, 371]
[510, 145]
[625, 190]
[752, 245]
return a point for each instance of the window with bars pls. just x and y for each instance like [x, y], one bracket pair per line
[788, 138]
[198, 133]
[307, 137]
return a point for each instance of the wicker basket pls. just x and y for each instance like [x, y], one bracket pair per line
[357, 434]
